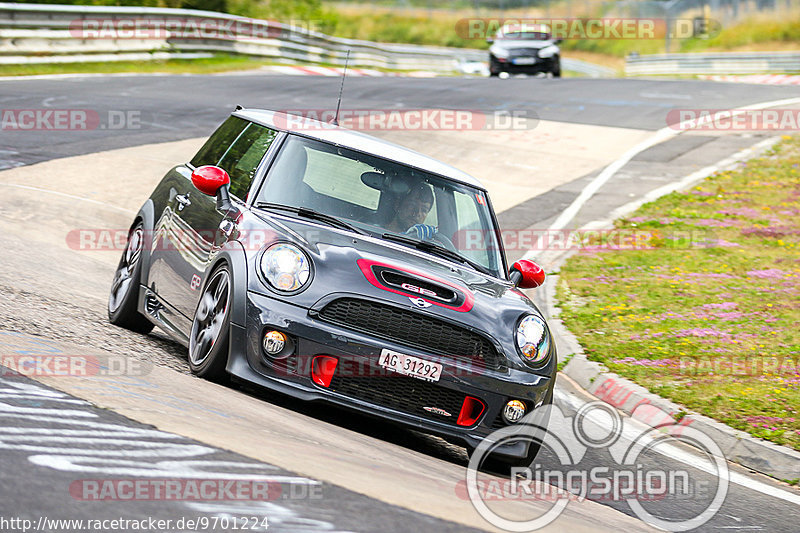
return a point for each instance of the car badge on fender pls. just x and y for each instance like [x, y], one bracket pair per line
[419, 302]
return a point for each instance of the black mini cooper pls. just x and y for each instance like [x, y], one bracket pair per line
[333, 266]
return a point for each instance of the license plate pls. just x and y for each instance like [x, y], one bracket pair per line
[410, 366]
[524, 61]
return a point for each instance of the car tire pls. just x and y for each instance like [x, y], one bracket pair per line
[123, 298]
[494, 67]
[208, 339]
[502, 465]
[557, 68]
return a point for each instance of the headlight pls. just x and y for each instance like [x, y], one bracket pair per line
[533, 339]
[496, 51]
[285, 267]
[548, 51]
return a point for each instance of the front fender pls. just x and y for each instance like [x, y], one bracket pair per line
[233, 254]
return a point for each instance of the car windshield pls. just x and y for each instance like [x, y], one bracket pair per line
[525, 36]
[381, 196]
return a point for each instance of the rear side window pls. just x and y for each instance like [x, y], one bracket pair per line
[238, 146]
[219, 142]
[244, 156]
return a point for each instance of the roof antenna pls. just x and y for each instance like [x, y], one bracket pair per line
[335, 120]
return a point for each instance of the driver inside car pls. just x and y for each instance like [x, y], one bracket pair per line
[411, 213]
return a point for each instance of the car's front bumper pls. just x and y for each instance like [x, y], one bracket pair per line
[549, 64]
[357, 354]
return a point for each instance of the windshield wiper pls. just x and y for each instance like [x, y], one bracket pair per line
[436, 249]
[306, 212]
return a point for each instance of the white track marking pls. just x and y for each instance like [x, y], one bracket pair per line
[71, 196]
[87, 75]
[683, 183]
[678, 454]
[661, 135]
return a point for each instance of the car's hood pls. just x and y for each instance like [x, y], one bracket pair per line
[320, 239]
[512, 44]
[341, 260]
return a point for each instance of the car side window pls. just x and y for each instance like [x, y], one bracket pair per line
[238, 146]
[243, 157]
[219, 142]
[469, 219]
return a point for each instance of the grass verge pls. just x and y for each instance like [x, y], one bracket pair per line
[709, 315]
[217, 63]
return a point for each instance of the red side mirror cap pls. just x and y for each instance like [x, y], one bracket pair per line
[527, 275]
[208, 179]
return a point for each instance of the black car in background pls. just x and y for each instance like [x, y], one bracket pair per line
[524, 49]
[333, 266]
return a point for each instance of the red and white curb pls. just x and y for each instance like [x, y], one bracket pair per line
[311, 70]
[766, 79]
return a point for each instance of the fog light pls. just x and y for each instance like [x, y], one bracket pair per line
[274, 341]
[513, 411]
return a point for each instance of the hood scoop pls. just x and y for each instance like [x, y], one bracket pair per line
[415, 286]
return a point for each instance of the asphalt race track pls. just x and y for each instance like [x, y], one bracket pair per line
[181, 107]
[333, 471]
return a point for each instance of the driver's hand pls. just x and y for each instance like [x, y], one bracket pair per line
[421, 231]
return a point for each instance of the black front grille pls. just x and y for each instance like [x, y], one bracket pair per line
[499, 421]
[402, 393]
[524, 52]
[413, 329]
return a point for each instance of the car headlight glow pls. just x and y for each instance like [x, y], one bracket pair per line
[533, 339]
[285, 267]
[548, 51]
[496, 51]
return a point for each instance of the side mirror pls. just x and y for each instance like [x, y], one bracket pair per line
[490, 40]
[208, 179]
[213, 181]
[557, 41]
[527, 274]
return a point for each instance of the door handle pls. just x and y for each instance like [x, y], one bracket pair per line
[183, 201]
[226, 227]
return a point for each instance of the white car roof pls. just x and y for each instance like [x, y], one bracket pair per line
[523, 27]
[355, 140]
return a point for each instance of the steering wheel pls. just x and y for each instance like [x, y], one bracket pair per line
[444, 241]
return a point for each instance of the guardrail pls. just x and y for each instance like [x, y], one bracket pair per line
[36, 30]
[714, 63]
[45, 33]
